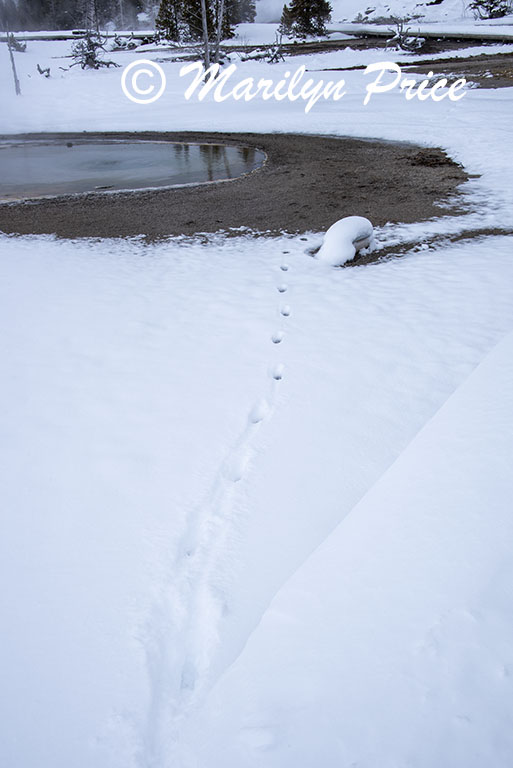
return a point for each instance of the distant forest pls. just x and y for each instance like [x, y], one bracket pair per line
[34, 15]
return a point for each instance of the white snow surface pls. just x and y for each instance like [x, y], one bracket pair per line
[350, 10]
[160, 487]
[392, 644]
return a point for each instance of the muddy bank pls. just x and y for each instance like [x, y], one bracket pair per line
[307, 183]
[488, 71]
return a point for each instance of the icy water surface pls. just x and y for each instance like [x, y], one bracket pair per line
[38, 168]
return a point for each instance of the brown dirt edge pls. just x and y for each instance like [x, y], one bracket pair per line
[485, 70]
[428, 243]
[307, 183]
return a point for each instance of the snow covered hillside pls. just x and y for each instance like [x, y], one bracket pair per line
[355, 10]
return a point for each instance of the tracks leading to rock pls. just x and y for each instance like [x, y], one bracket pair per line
[184, 631]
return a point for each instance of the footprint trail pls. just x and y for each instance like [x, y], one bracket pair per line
[183, 633]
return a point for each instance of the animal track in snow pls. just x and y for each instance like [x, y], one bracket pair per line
[235, 466]
[259, 412]
[190, 628]
[260, 738]
[189, 676]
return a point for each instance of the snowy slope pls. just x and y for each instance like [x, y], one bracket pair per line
[349, 10]
[151, 516]
[392, 645]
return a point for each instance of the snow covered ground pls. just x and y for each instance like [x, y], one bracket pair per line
[392, 644]
[355, 10]
[256, 510]
[153, 517]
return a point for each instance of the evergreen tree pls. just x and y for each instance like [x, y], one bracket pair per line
[491, 9]
[247, 11]
[231, 17]
[168, 21]
[307, 17]
[192, 19]
[67, 14]
[176, 19]
[182, 20]
[240, 11]
[9, 17]
[286, 21]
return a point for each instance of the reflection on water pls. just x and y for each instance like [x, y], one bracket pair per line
[33, 169]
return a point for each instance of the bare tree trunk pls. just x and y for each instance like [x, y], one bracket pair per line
[152, 15]
[219, 30]
[96, 17]
[89, 15]
[206, 52]
[13, 65]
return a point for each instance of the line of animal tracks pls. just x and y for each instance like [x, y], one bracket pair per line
[183, 632]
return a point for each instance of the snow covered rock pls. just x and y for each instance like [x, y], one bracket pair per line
[344, 239]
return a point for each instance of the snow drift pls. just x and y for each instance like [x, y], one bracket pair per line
[392, 646]
[344, 239]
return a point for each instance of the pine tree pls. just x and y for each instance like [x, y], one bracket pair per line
[286, 21]
[490, 9]
[247, 11]
[231, 17]
[168, 19]
[309, 17]
[191, 15]
[182, 20]
[240, 11]
[9, 16]
[67, 14]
